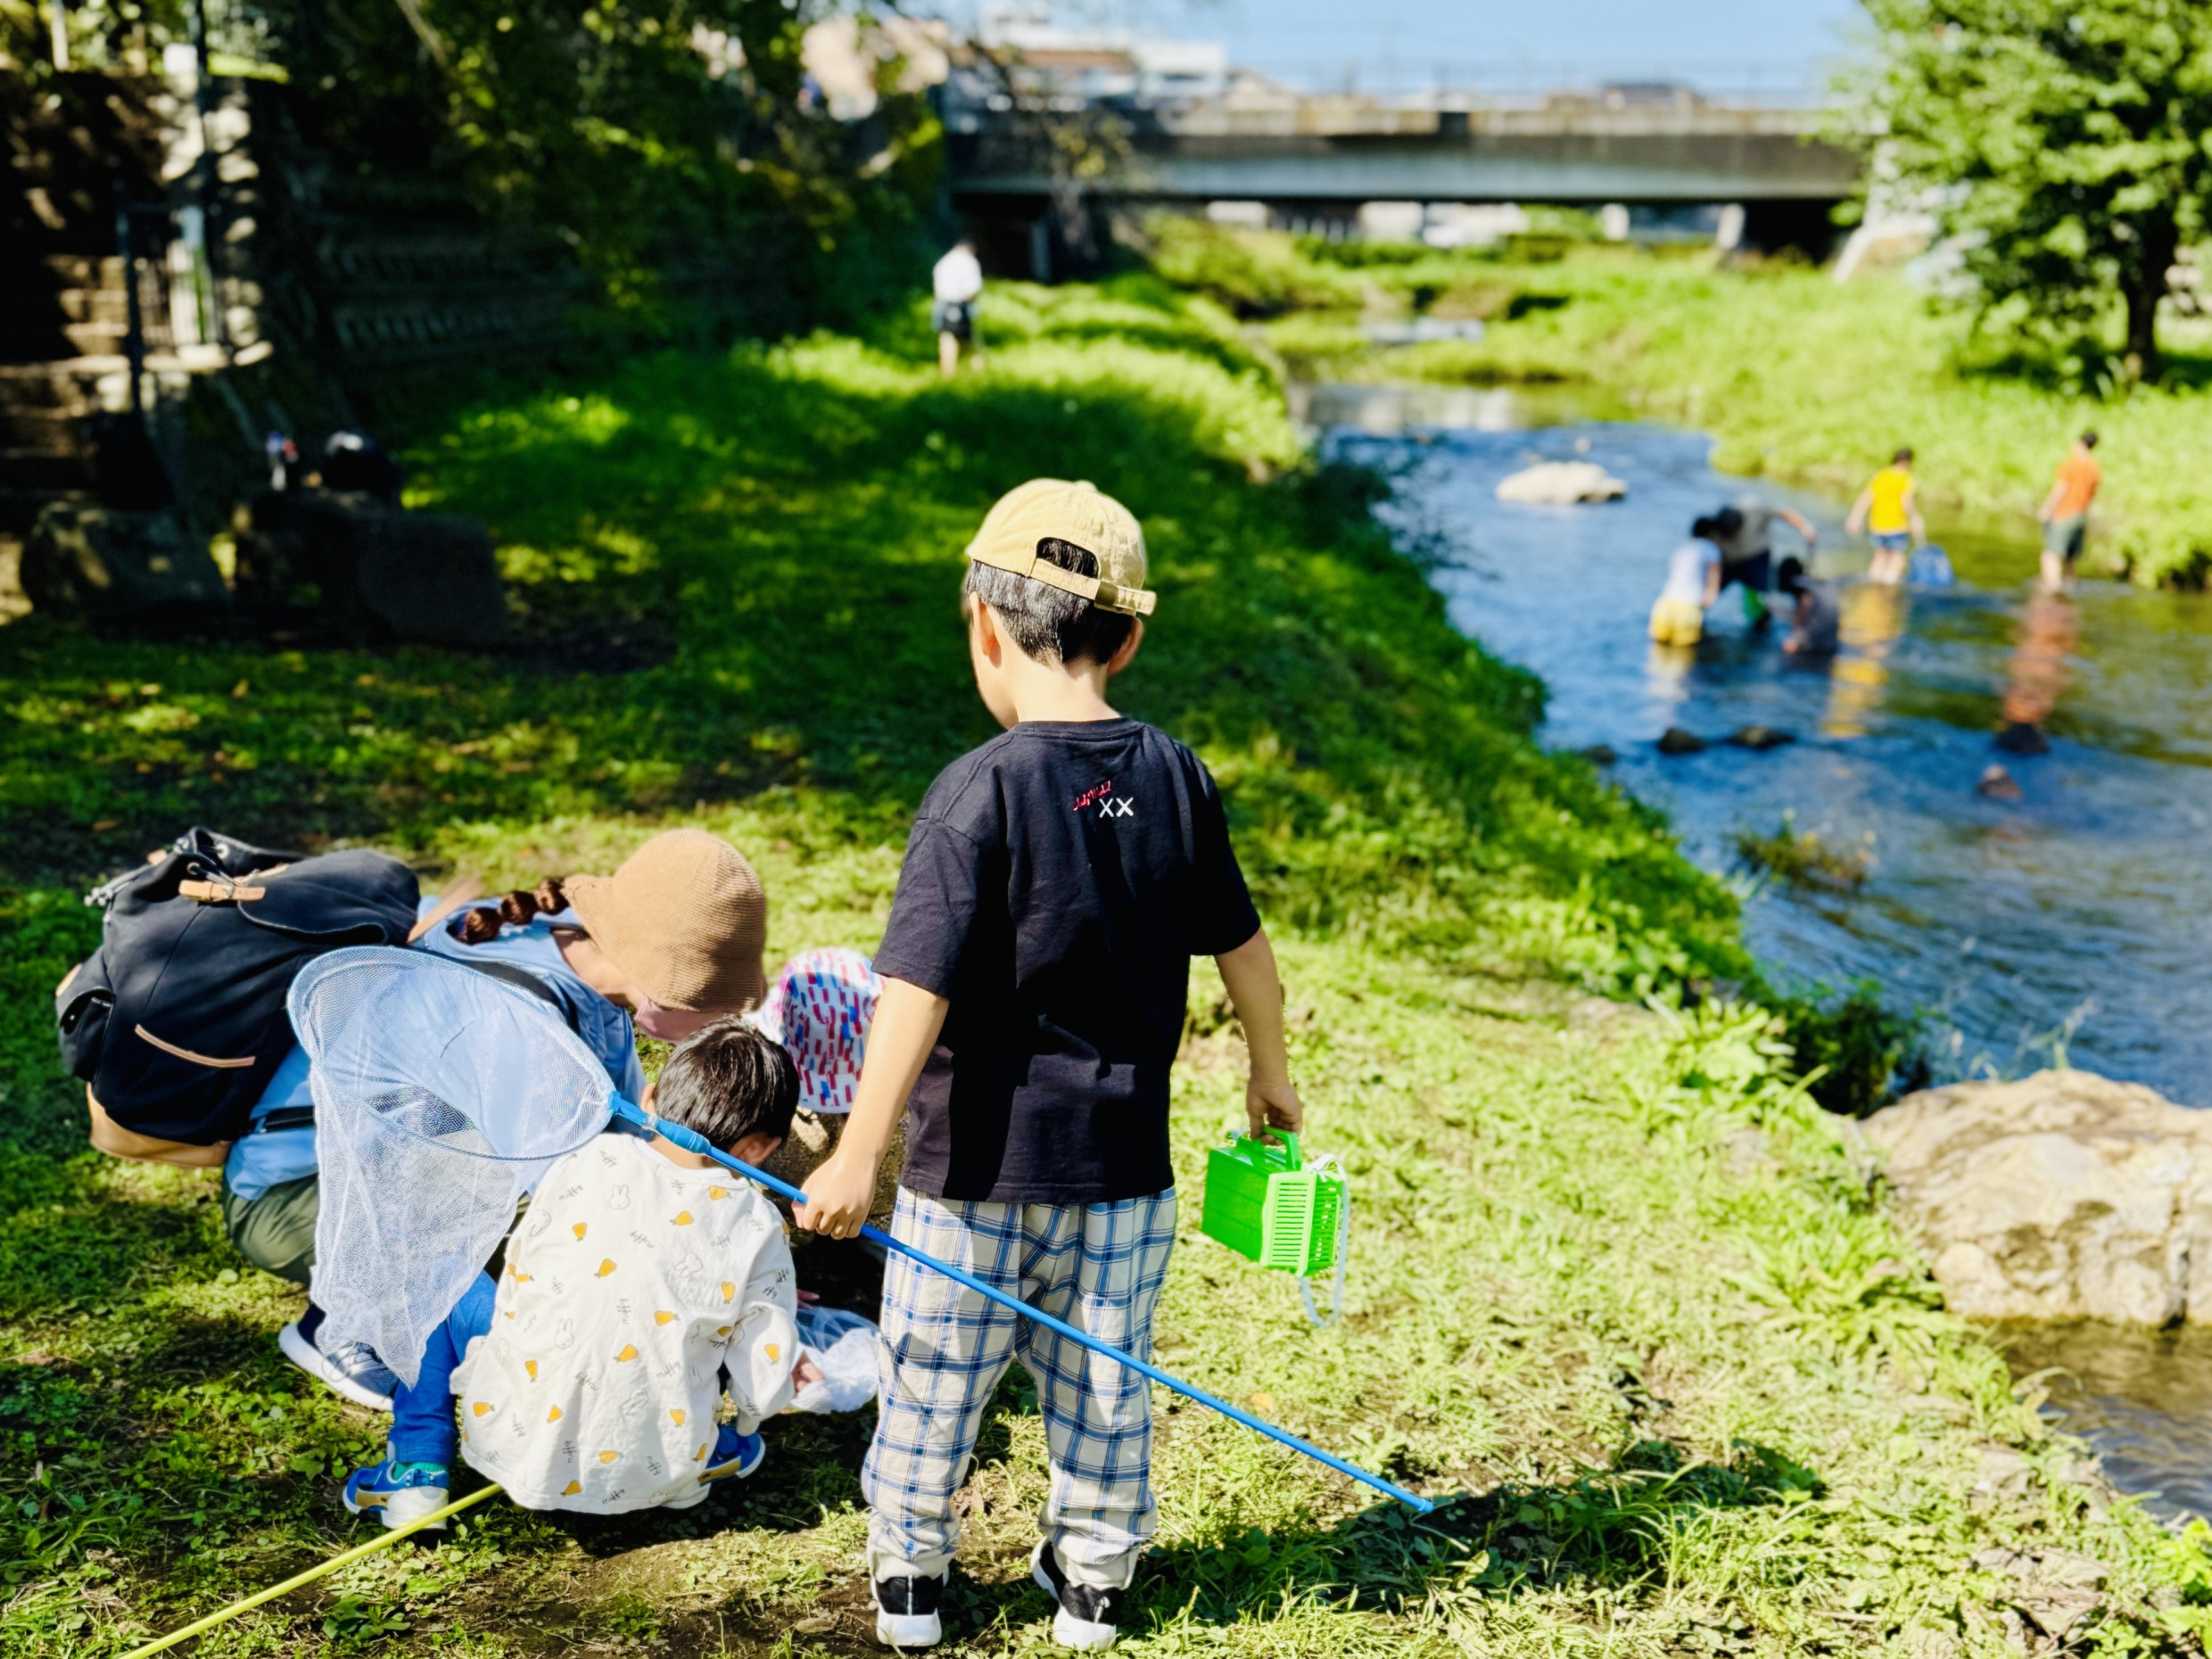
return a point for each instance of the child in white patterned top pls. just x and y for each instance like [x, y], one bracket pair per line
[644, 1282]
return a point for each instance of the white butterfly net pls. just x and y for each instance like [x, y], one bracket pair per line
[442, 1095]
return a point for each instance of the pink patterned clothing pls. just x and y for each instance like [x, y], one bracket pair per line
[820, 1008]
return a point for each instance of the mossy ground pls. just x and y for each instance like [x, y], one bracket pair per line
[1798, 378]
[1613, 1275]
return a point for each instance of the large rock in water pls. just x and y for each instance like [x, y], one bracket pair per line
[2065, 1195]
[1562, 483]
[348, 562]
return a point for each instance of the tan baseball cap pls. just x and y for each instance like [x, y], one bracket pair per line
[1053, 510]
[686, 916]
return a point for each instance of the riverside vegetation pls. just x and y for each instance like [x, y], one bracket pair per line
[1614, 1273]
[1796, 377]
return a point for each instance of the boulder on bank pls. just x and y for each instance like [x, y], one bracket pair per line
[121, 567]
[1562, 483]
[345, 561]
[2064, 1195]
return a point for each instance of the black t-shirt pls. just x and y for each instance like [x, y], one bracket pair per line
[1058, 882]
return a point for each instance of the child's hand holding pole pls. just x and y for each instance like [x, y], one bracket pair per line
[907, 1021]
[1270, 1099]
[838, 1192]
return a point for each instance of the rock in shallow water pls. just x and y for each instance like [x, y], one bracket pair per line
[2064, 1195]
[1562, 483]
[1761, 738]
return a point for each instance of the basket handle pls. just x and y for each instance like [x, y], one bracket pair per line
[1290, 1144]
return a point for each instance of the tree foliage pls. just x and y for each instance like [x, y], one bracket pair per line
[645, 132]
[2062, 142]
[649, 136]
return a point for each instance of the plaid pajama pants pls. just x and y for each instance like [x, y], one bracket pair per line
[1099, 1267]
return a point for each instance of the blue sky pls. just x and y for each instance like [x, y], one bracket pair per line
[1313, 37]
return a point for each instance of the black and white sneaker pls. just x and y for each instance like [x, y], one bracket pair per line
[353, 1373]
[1087, 1619]
[906, 1611]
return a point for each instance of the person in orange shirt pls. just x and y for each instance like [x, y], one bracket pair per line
[2064, 512]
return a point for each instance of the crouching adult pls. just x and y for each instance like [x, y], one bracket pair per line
[670, 942]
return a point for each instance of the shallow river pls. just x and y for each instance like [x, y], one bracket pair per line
[2072, 923]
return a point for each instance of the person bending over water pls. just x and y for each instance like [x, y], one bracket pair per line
[1693, 584]
[1745, 537]
[1817, 620]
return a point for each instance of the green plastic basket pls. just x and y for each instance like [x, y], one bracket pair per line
[1263, 1203]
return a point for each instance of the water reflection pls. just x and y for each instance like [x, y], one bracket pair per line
[2050, 634]
[1666, 674]
[1873, 619]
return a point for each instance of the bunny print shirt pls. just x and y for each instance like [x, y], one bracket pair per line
[632, 1289]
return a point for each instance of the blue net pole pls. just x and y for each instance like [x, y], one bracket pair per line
[693, 1142]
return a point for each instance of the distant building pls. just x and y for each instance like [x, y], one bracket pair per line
[1025, 55]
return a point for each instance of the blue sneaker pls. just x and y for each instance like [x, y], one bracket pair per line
[399, 1492]
[352, 1373]
[734, 1454]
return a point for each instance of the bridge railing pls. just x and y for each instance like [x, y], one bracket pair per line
[1782, 83]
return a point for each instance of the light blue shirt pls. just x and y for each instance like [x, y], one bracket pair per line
[259, 1161]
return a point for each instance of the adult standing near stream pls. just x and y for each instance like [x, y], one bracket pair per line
[955, 285]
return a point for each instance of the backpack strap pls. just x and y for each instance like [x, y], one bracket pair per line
[285, 1117]
[523, 979]
[223, 890]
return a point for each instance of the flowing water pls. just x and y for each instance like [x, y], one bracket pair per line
[2068, 918]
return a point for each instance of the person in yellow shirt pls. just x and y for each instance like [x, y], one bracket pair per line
[1887, 512]
[2064, 512]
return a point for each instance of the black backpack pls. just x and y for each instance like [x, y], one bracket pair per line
[177, 1020]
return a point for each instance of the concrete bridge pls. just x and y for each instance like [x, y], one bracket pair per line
[1316, 159]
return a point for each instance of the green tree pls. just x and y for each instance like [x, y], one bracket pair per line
[2063, 143]
[669, 143]
[647, 134]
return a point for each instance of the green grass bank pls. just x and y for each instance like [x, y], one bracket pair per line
[1798, 378]
[1612, 1273]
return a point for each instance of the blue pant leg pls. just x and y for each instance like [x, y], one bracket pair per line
[422, 1416]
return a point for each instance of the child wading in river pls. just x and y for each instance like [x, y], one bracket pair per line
[1058, 882]
[644, 1281]
[1887, 510]
[1677, 616]
[1815, 620]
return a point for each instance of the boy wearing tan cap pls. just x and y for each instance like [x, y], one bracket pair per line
[1057, 883]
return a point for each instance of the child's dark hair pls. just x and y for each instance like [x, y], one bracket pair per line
[727, 1082]
[1048, 624]
[1903, 454]
[481, 924]
[2089, 440]
[1704, 529]
[1791, 574]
